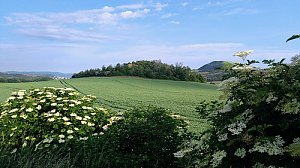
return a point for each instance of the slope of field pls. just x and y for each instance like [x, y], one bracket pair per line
[121, 93]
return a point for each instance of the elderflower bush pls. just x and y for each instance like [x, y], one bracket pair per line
[257, 124]
[50, 116]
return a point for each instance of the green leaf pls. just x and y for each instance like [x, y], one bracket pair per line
[293, 37]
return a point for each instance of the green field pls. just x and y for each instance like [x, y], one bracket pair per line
[121, 93]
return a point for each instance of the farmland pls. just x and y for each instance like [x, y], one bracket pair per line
[120, 93]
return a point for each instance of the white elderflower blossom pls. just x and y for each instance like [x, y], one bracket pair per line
[14, 116]
[61, 136]
[11, 98]
[271, 98]
[90, 124]
[240, 152]
[272, 147]
[14, 128]
[43, 100]
[226, 108]
[236, 128]
[51, 119]
[24, 144]
[65, 118]
[70, 131]
[67, 123]
[217, 158]
[222, 137]
[83, 138]
[87, 117]
[53, 104]
[61, 141]
[78, 118]
[23, 116]
[105, 127]
[73, 115]
[70, 137]
[243, 54]
[39, 107]
[13, 110]
[296, 140]
[56, 114]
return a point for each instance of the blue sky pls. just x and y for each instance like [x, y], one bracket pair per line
[74, 35]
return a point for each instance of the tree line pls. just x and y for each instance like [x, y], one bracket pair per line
[17, 78]
[147, 69]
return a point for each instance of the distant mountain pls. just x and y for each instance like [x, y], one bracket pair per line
[213, 71]
[43, 73]
[215, 65]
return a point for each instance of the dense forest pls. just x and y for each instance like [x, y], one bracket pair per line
[147, 69]
[16, 78]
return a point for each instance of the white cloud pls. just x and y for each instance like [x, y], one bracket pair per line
[237, 11]
[82, 25]
[131, 6]
[184, 4]
[159, 6]
[222, 2]
[108, 9]
[105, 15]
[168, 15]
[174, 22]
[136, 14]
[65, 34]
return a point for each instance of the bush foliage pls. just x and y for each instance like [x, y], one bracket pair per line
[145, 137]
[258, 124]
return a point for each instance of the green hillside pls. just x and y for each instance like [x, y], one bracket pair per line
[122, 93]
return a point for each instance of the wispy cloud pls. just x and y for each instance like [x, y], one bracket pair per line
[184, 4]
[71, 26]
[237, 11]
[59, 34]
[158, 6]
[168, 15]
[131, 6]
[175, 22]
[136, 14]
[222, 2]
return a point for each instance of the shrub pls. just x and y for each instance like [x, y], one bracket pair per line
[145, 137]
[47, 117]
[258, 125]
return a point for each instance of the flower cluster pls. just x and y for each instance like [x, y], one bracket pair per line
[50, 116]
[243, 54]
[272, 147]
[238, 126]
[217, 158]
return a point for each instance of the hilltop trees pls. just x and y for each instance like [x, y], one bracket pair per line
[146, 69]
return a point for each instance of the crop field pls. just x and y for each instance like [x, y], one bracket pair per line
[120, 93]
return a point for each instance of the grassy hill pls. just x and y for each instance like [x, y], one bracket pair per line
[121, 93]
